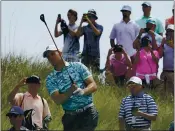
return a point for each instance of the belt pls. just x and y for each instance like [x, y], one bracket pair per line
[168, 71]
[147, 76]
[79, 110]
[140, 128]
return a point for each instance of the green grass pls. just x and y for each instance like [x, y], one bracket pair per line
[107, 98]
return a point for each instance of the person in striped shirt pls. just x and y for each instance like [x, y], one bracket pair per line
[138, 109]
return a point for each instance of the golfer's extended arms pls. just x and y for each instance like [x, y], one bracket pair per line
[147, 116]
[57, 33]
[61, 98]
[112, 42]
[91, 86]
[121, 124]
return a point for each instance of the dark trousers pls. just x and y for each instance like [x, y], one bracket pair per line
[149, 86]
[119, 80]
[91, 61]
[85, 121]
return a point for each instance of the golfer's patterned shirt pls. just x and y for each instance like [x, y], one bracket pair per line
[144, 102]
[60, 81]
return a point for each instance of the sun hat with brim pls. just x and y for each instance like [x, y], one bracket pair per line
[170, 27]
[49, 48]
[33, 79]
[147, 4]
[151, 21]
[93, 13]
[135, 80]
[126, 8]
[15, 110]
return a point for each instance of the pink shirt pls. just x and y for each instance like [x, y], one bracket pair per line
[118, 67]
[33, 103]
[146, 64]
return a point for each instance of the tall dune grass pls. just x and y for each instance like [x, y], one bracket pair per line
[107, 99]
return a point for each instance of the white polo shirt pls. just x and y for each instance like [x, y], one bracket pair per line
[125, 34]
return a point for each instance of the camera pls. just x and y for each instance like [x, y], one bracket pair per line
[64, 27]
[146, 29]
[118, 48]
[84, 19]
[59, 17]
[145, 41]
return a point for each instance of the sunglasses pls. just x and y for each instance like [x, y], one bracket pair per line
[131, 84]
[14, 115]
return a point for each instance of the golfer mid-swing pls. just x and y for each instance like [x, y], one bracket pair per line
[75, 97]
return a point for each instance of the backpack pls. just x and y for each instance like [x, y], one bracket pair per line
[27, 122]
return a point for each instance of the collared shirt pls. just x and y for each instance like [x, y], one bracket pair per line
[60, 81]
[91, 41]
[169, 21]
[22, 128]
[158, 38]
[168, 58]
[142, 23]
[71, 43]
[144, 102]
[29, 102]
[125, 34]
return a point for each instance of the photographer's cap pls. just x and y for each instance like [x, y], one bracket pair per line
[152, 21]
[49, 48]
[171, 27]
[147, 4]
[126, 7]
[33, 79]
[15, 110]
[92, 12]
[135, 79]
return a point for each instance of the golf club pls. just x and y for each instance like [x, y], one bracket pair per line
[43, 20]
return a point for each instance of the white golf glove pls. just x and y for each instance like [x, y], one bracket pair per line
[78, 92]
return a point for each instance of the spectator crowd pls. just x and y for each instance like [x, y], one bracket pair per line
[133, 61]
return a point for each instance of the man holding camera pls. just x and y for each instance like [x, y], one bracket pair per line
[31, 100]
[125, 31]
[146, 7]
[92, 33]
[138, 109]
[71, 85]
[71, 41]
[150, 31]
[146, 62]
[119, 64]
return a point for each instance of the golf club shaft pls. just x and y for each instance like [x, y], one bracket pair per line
[58, 51]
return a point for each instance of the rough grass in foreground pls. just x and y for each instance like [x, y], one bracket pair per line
[107, 99]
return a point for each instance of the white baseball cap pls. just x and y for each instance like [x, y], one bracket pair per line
[126, 7]
[135, 79]
[170, 27]
[49, 48]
